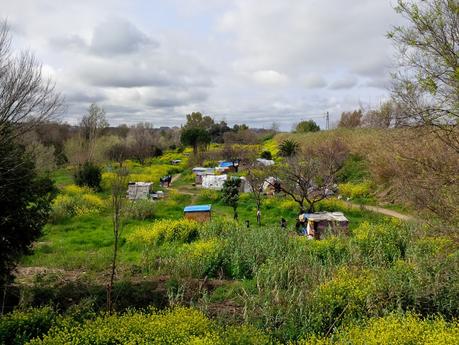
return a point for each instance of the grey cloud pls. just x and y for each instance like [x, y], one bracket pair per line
[314, 81]
[344, 83]
[84, 97]
[117, 36]
[69, 42]
[175, 98]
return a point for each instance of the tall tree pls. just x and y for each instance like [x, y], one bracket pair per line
[26, 99]
[92, 125]
[197, 120]
[195, 137]
[427, 81]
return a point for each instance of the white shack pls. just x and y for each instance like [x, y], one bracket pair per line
[139, 190]
[214, 181]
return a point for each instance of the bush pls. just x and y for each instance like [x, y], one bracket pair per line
[161, 231]
[355, 190]
[201, 258]
[266, 155]
[175, 326]
[19, 327]
[88, 175]
[142, 209]
[75, 201]
[394, 329]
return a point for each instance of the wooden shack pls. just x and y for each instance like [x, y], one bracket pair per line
[199, 213]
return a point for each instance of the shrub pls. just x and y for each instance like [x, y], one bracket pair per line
[355, 190]
[266, 155]
[174, 326]
[209, 195]
[19, 326]
[394, 329]
[141, 210]
[88, 175]
[161, 231]
[75, 204]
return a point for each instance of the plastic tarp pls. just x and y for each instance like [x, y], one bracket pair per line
[197, 208]
[213, 181]
[138, 190]
[265, 162]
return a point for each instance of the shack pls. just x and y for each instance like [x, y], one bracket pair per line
[229, 166]
[200, 172]
[215, 182]
[139, 190]
[326, 222]
[199, 213]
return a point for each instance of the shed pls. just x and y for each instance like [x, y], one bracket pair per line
[229, 165]
[200, 172]
[139, 190]
[214, 181]
[333, 222]
[199, 213]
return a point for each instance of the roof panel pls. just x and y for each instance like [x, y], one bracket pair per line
[197, 208]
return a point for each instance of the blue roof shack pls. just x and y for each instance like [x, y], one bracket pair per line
[199, 213]
[229, 166]
[226, 164]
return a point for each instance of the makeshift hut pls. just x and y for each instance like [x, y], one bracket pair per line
[214, 181]
[322, 222]
[139, 190]
[199, 173]
[199, 213]
[271, 186]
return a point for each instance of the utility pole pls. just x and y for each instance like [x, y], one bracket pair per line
[328, 121]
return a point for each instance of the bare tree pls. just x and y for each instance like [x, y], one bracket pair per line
[256, 178]
[351, 119]
[141, 141]
[427, 83]
[92, 126]
[310, 176]
[118, 193]
[26, 96]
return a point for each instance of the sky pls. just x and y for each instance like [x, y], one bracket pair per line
[242, 61]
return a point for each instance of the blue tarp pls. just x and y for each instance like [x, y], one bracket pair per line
[226, 164]
[197, 208]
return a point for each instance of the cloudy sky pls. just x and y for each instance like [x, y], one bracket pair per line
[250, 61]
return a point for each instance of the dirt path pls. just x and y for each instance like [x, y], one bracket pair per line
[175, 178]
[382, 210]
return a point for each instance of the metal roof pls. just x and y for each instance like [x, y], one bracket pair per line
[197, 208]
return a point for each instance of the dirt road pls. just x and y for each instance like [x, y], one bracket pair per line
[382, 210]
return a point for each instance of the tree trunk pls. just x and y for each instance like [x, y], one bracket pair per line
[113, 270]
[258, 215]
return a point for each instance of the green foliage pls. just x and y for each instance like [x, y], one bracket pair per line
[175, 326]
[161, 231]
[141, 209]
[89, 175]
[266, 155]
[355, 190]
[75, 201]
[195, 137]
[25, 203]
[355, 169]
[230, 193]
[394, 329]
[307, 126]
[288, 148]
[19, 327]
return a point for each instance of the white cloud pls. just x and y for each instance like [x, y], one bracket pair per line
[269, 77]
[246, 61]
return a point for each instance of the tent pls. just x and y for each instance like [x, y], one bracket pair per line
[213, 181]
[245, 186]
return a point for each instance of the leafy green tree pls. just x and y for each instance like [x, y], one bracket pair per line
[25, 203]
[194, 137]
[427, 81]
[307, 126]
[197, 120]
[288, 148]
[231, 193]
[89, 175]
